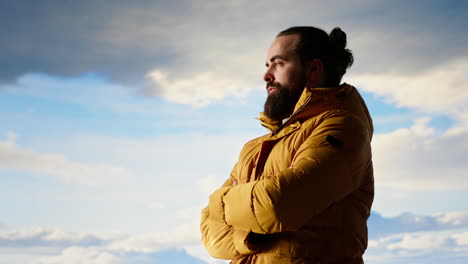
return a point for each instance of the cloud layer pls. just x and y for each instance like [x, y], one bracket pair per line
[398, 240]
[53, 245]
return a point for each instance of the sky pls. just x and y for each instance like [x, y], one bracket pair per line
[119, 118]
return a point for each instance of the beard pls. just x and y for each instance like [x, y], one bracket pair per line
[280, 103]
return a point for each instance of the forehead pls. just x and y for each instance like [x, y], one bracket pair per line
[284, 46]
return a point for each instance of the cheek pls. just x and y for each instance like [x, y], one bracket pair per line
[288, 75]
[294, 76]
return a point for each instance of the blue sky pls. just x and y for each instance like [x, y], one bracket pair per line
[119, 118]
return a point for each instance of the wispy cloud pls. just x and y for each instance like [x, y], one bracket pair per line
[22, 159]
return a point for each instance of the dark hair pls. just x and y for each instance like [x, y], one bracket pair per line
[331, 49]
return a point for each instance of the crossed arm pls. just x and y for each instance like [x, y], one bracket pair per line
[321, 173]
[221, 240]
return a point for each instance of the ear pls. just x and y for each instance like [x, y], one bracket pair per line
[315, 73]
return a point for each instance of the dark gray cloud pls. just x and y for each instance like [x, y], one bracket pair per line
[123, 40]
[69, 38]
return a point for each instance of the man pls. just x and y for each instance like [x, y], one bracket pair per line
[302, 193]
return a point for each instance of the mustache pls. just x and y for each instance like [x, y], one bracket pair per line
[272, 84]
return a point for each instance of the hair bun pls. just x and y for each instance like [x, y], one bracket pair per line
[338, 38]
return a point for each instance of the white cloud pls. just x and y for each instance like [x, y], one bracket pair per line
[461, 126]
[198, 90]
[462, 238]
[454, 219]
[441, 89]
[79, 255]
[422, 247]
[427, 159]
[139, 243]
[15, 157]
[417, 158]
[419, 242]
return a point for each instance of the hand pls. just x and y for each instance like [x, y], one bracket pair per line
[234, 183]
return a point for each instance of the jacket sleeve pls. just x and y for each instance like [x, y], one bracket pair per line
[220, 239]
[217, 236]
[327, 167]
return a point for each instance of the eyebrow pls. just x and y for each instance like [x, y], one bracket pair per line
[276, 57]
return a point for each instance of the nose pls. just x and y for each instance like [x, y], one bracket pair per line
[268, 76]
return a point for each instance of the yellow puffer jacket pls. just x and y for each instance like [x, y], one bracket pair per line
[304, 192]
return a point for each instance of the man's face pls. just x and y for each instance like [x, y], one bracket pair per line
[284, 77]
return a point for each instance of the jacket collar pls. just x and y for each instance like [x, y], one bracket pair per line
[309, 96]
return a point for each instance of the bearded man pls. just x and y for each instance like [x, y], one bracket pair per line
[303, 192]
